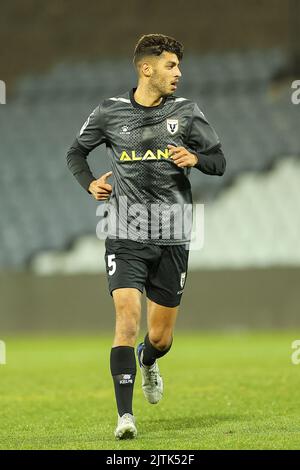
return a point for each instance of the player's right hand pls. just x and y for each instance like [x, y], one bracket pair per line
[100, 189]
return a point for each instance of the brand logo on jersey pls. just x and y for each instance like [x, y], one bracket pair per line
[182, 279]
[148, 155]
[124, 130]
[172, 126]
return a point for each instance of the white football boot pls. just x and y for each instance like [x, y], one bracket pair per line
[152, 382]
[126, 428]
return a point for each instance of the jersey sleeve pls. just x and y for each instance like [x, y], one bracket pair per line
[203, 141]
[201, 135]
[92, 133]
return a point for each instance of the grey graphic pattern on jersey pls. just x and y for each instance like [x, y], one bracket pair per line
[136, 139]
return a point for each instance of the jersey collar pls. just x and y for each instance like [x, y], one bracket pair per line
[140, 106]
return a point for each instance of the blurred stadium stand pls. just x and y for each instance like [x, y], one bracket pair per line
[43, 208]
[58, 63]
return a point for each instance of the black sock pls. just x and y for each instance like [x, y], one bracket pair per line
[150, 353]
[123, 371]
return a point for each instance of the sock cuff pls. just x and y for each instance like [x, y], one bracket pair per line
[153, 350]
[122, 360]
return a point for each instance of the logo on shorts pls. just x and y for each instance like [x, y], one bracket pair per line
[182, 279]
[172, 125]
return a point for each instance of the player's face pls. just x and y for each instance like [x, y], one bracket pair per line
[165, 73]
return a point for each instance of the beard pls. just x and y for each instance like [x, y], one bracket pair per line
[161, 86]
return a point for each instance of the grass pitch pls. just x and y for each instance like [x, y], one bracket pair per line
[222, 391]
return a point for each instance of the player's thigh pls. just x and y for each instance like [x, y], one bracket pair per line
[127, 302]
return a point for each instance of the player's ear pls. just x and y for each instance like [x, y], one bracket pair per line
[146, 69]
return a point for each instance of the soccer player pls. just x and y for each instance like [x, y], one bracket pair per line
[153, 138]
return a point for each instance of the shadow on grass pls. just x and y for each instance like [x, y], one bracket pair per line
[189, 422]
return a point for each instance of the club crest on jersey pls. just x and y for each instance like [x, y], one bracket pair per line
[182, 279]
[172, 126]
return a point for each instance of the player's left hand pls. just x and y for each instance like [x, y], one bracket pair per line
[182, 157]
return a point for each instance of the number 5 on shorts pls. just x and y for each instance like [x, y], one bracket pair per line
[111, 264]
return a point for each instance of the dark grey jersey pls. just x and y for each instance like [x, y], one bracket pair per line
[145, 177]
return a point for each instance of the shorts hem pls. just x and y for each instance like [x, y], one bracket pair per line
[164, 304]
[125, 287]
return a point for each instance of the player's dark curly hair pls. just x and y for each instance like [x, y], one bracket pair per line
[155, 44]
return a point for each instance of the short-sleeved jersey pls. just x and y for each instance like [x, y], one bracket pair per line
[136, 139]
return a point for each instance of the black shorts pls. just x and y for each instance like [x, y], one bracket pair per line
[162, 270]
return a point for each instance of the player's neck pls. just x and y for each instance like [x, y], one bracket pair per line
[147, 97]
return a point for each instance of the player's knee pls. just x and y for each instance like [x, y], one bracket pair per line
[127, 333]
[127, 324]
[128, 306]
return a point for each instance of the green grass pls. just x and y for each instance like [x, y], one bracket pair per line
[222, 391]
